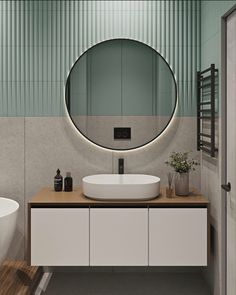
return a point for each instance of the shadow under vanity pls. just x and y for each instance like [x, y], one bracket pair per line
[68, 229]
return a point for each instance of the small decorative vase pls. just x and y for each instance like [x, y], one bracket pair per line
[169, 192]
[182, 184]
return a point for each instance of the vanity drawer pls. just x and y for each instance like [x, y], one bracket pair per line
[60, 236]
[119, 236]
[178, 236]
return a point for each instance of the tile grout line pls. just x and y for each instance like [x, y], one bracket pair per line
[89, 235]
[25, 223]
[148, 233]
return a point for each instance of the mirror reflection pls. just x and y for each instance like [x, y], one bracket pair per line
[121, 94]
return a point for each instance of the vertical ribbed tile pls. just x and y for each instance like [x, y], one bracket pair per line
[40, 41]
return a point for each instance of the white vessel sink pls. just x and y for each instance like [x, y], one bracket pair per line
[121, 186]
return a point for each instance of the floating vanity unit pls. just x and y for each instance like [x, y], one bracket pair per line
[68, 229]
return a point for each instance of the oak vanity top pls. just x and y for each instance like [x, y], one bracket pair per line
[48, 197]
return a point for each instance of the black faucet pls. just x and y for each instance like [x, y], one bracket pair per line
[121, 166]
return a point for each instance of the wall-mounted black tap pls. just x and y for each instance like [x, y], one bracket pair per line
[121, 166]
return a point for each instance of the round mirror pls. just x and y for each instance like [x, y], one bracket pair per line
[121, 94]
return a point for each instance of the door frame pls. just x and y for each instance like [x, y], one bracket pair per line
[224, 146]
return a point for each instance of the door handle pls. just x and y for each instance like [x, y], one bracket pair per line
[226, 187]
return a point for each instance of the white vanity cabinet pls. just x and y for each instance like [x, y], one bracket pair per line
[119, 236]
[59, 236]
[67, 229]
[178, 236]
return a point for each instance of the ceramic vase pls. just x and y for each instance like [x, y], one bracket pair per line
[182, 184]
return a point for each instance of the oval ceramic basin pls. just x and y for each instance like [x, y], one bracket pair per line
[121, 186]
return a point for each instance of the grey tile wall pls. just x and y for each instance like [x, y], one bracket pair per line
[32, 149]
[12, 174]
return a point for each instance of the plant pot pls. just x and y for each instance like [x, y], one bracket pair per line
[182, 184]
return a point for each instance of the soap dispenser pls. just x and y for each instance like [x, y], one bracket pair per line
[58, 181]
[68, 183]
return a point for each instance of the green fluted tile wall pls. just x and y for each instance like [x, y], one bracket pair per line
[40, 41]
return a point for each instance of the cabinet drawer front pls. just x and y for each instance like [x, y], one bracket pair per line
[60, 236]
[178, 236]
[119, 236]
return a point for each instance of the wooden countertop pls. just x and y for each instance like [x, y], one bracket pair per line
[48, 197]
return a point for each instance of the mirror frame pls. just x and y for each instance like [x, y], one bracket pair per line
[67, 101]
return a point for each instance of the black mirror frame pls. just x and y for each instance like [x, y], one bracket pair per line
[67, 100]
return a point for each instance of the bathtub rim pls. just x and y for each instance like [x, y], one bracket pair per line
[15, 206]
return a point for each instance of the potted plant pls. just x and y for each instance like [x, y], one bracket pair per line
[182, 166]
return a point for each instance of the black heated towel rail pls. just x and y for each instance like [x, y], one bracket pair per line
[206, 110]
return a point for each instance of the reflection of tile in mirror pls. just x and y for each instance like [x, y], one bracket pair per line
[100, 129]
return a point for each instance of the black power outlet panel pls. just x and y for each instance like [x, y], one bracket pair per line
[122, 133]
